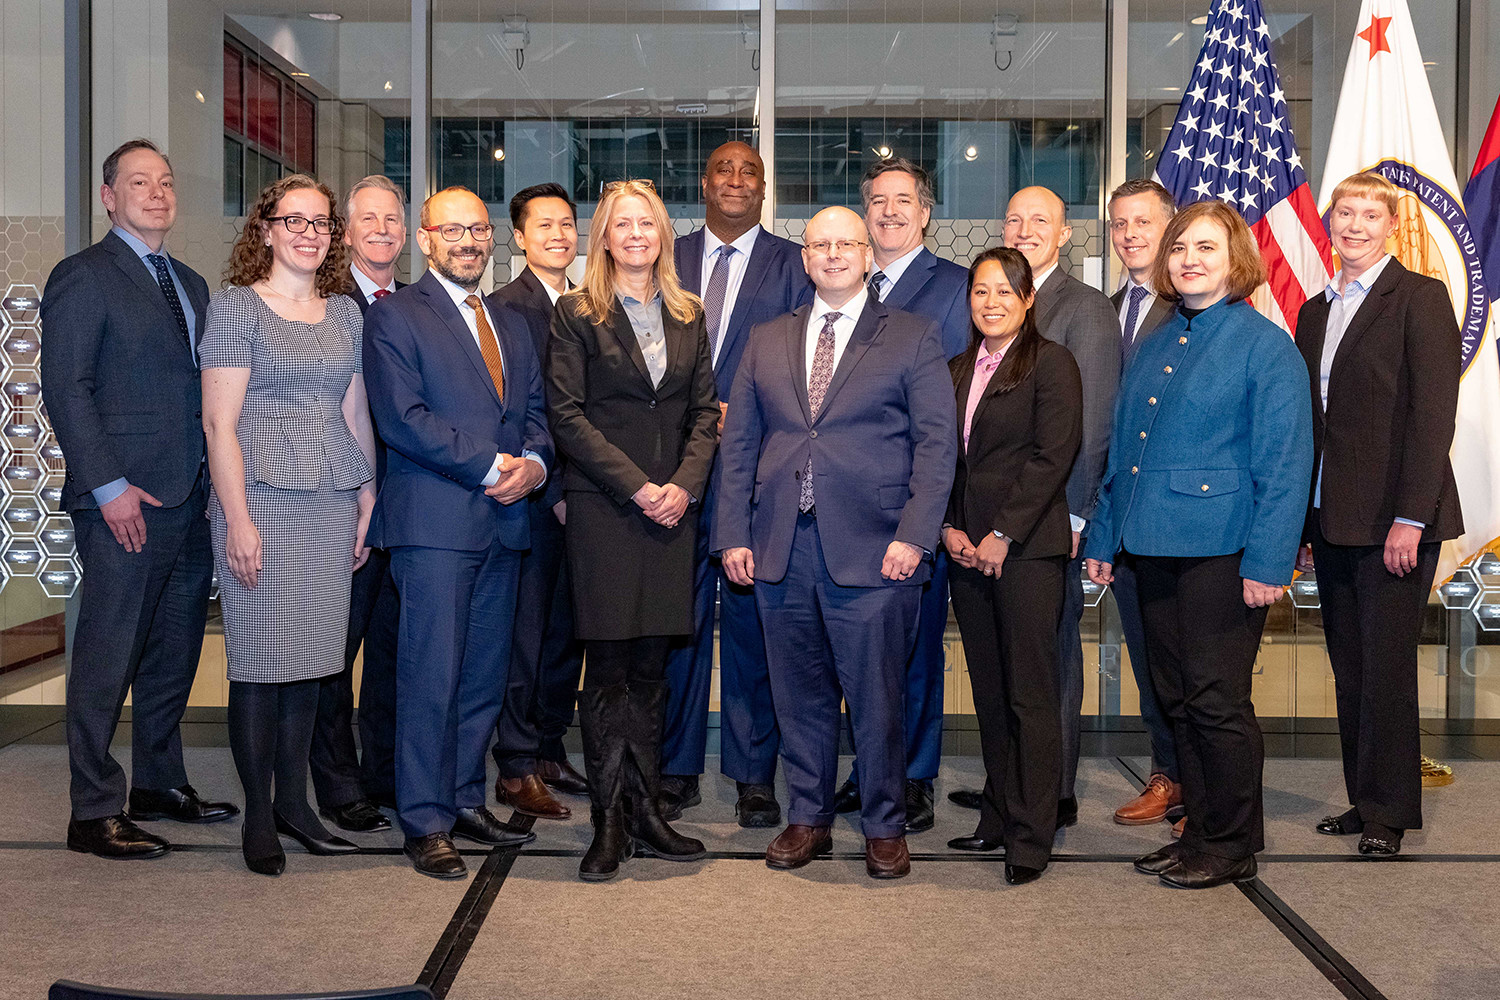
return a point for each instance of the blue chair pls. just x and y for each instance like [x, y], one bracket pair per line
[65, 989]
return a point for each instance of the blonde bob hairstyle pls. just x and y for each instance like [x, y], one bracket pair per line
[1247, 271]
[1367, 185]
[596, 294]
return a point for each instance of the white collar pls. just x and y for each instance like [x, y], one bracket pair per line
[1365, 281]
[368, 288]
[744, 243]
[851, 310]
[896, 268]
[457, 294]
[1037, 280]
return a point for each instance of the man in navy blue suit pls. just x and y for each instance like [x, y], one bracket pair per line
[898, 201]
[457, 398]
[838, 454]
[745, 276]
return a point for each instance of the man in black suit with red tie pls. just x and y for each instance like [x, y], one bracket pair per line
[547, 661]
[349, 789]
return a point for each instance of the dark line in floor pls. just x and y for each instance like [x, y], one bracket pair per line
[1324, 956]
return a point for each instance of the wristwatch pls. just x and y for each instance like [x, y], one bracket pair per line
[1001, 535]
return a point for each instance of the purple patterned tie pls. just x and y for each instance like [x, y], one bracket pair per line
[817, 387]
[715, 294]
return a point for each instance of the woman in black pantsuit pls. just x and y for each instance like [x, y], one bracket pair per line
[1020, 406]
[631, 398]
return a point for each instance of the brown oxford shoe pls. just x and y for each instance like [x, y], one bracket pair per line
[797, 845]
[1160, 795]
[562, 776]
[887, 857]
[530, 797]
[1178, 827]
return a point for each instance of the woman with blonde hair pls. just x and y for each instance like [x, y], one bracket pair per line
[290, 454]
[632, 403]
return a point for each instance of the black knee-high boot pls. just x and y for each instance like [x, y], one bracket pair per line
[602, 713]
[252, 742]
[647, 711]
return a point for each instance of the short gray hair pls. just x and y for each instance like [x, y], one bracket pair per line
[923, 179]
[380, 182]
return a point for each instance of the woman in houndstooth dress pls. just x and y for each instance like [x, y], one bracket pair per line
[290, 454]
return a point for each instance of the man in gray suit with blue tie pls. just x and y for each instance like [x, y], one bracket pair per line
[838, 454]
[120, 325]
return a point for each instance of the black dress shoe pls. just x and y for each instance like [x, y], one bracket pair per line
[1160, 860]
[1345, 824]
[359, 816]
[272, 863]
[435, 855]
[974, 843]
[181, 804]
[1021, 874]
[1067, 811]
[678, 792]
[480, 825]
[323, 846]
[1196, 870]
[846, 799]
[1380, 841]
[757, 805]
[968, 798]
[561, 776]
[114, 837]
[919, 816]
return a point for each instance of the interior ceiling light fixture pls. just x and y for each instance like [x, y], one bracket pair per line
[499, 154]
[1200, 19]
[326, 15]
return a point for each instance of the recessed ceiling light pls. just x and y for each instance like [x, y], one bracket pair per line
[1200, 19]
[326, 16]
[199, 94]
[387, 85]
[971, 154]
[884, 152]
[499, 153]
[299, 73]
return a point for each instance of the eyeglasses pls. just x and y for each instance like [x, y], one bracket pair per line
[844, 246]
[298, 224]
[453, 232]
[644, 182]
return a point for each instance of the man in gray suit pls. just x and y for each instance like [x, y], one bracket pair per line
[838, 455]
[120, 325]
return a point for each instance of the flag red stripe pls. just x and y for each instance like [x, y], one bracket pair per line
[1285, 286]
[1489, 150]
[1301, 200]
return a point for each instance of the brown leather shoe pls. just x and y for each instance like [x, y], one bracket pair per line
[562, 776]
[887, 857]
[1152, 804]
[797, 845]
[529, 797]
[1178, 826]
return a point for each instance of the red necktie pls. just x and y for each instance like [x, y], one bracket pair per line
[381, 293]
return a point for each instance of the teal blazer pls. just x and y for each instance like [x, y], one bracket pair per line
[1212, 446]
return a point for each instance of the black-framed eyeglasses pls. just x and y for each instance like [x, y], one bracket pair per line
[453, 232]
[845, 246]
[298, 224]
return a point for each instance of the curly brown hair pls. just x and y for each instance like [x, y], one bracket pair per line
[250, 260]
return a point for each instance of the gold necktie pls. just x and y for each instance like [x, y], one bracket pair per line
[488, 345]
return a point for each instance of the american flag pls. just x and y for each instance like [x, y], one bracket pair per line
[1232, 140]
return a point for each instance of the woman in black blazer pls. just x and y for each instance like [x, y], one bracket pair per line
[1020, 407]
[632, 403]
[1382, 351]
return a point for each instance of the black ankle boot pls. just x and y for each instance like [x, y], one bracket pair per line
[648, 706]
[602, 714]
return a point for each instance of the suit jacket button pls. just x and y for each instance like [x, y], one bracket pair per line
[1134, 469]
[1168, 369]
[1151, 401]
[1182, 340]
[652, 404]
[813, 433]
[1205, 487]
[502, 420]
[199, 414]
[1143, 435]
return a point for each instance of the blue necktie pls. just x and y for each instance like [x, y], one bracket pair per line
[876, 281]
[1137, 296]
[714, 295]
[164, 279]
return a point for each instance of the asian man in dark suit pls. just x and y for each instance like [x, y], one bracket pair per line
[351, 783]
[1383, 360]
[745, 277]
[458, 399]
[838, 456]
[542, 686]
[898, 200]
[120, 325]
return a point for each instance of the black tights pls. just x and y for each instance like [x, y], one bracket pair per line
[618, 661]
[270, 734]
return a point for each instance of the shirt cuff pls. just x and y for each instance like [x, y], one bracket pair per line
[111, 491]
[493, 476]
[1399, 520]
[538, 460]
[1078, 523]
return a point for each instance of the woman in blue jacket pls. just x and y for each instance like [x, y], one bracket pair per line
[1206, 492]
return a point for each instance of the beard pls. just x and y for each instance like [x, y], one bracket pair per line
[462, 271]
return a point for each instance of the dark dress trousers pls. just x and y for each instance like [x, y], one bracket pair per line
[1125, 590]
[455, 552]
[774, 283]
[882, 449]
[1383, 447]
[1081, 319]
[1012, 477]
[631, 576]
[1207, 487]
[122, 391]
[342, 773]
[547, 661]
[936, 289]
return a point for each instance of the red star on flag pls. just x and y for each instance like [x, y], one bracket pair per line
[1375, 35]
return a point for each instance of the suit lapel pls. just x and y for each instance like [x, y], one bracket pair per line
[871, 321]
[1047, 296]
[756, 269]
[1364, 317]
[915, 278]
[961, 400]
[447, 311]
[796, 348]
[135, 270]
[625, 334]
[690, 266]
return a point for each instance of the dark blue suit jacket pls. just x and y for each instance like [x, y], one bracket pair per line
[775, 283]
[883, 447]
[532, 306]
[436, 408]
[936, 289]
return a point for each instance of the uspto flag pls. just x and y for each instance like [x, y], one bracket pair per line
[1387, 123]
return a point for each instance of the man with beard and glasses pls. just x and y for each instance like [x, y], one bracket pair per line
[458, 400]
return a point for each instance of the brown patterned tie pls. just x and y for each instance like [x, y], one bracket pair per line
[488, 345]
[818, 381]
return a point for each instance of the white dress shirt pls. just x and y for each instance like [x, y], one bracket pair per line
[1145, 307]
[895, 269]
[552, 293]
[459, 296]
[368, 288]
[738, 262]
[843, 327]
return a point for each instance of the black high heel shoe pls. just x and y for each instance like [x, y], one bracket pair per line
[272, 864]
[323, 847]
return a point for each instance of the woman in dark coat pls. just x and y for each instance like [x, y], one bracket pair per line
[633, 406]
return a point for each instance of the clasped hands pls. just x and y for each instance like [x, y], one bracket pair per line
[663, 504]
[518, 477]
[1255, 593]
[899, 563]
[988, 556]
